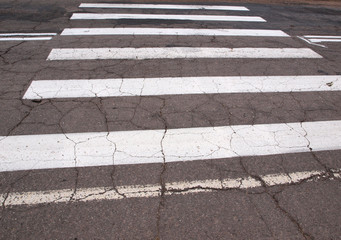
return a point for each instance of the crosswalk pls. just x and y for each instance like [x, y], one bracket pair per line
[165, 146]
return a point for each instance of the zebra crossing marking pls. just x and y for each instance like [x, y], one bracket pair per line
[103, 16]
[28, 152]
[80, 88]
[178, 52]
[163, 6]
[174, 31]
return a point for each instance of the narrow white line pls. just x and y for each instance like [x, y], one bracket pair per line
[174, 31]
[316, 40]
[81, 88]
[26, 34]
[102, 16]
[26, 39]
[149, 191]
[314, 44]
[185, 144]
[178, 52]
[163, 6]
[317, 36]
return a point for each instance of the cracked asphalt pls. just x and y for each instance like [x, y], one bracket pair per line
[303, 208]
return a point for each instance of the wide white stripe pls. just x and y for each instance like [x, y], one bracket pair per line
[179, 85]
[156, 146]
[162, 6]
[316, 40]
[317, 36]
[26, 34]
[148, 191]
[178, 52]
[25, 39]
[102, 16]
[174, 31]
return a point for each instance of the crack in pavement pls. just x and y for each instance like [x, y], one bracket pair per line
[162, 180]
[266, 190]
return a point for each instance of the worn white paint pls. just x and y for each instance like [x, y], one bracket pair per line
[314, 39]
[178, 52]
[186, 144]
[26, 39]
[317, 40]
[80, 88]
[26, 34]
[163, 6]
[149, 191]
[318, 36]
[173, 31]
[307, 41]
[103, 16]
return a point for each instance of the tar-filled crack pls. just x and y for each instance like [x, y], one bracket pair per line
[7, 193]
[2, 55]
[264, 220]
[112, 174]
[273, 197]
[75, 167]
[305, 234]
[328, 170]
[163, 171]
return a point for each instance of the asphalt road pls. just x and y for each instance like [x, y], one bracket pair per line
[164, 147]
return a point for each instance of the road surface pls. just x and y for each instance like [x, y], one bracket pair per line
[169, 121]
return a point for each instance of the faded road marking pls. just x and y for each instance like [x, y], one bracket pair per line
[317, 40]
[103, 16]
[148, 191]
[47, 151]
[26, 36]
[319, 36]
[163, 6]
[80, 88]
[174, 31]
[314, 39]
[26, 39]
[178, 52]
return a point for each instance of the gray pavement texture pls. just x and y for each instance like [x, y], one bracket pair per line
[304, 210]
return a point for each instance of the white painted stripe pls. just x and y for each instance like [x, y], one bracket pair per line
[178, 52]
[307, 41]
[179, 85]
[174, 31]
[163, 6]
[317, 36]
[26, 39]
[149, 191]
[102, 16]
[145, 146]
[26, 34]
[316, 40]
